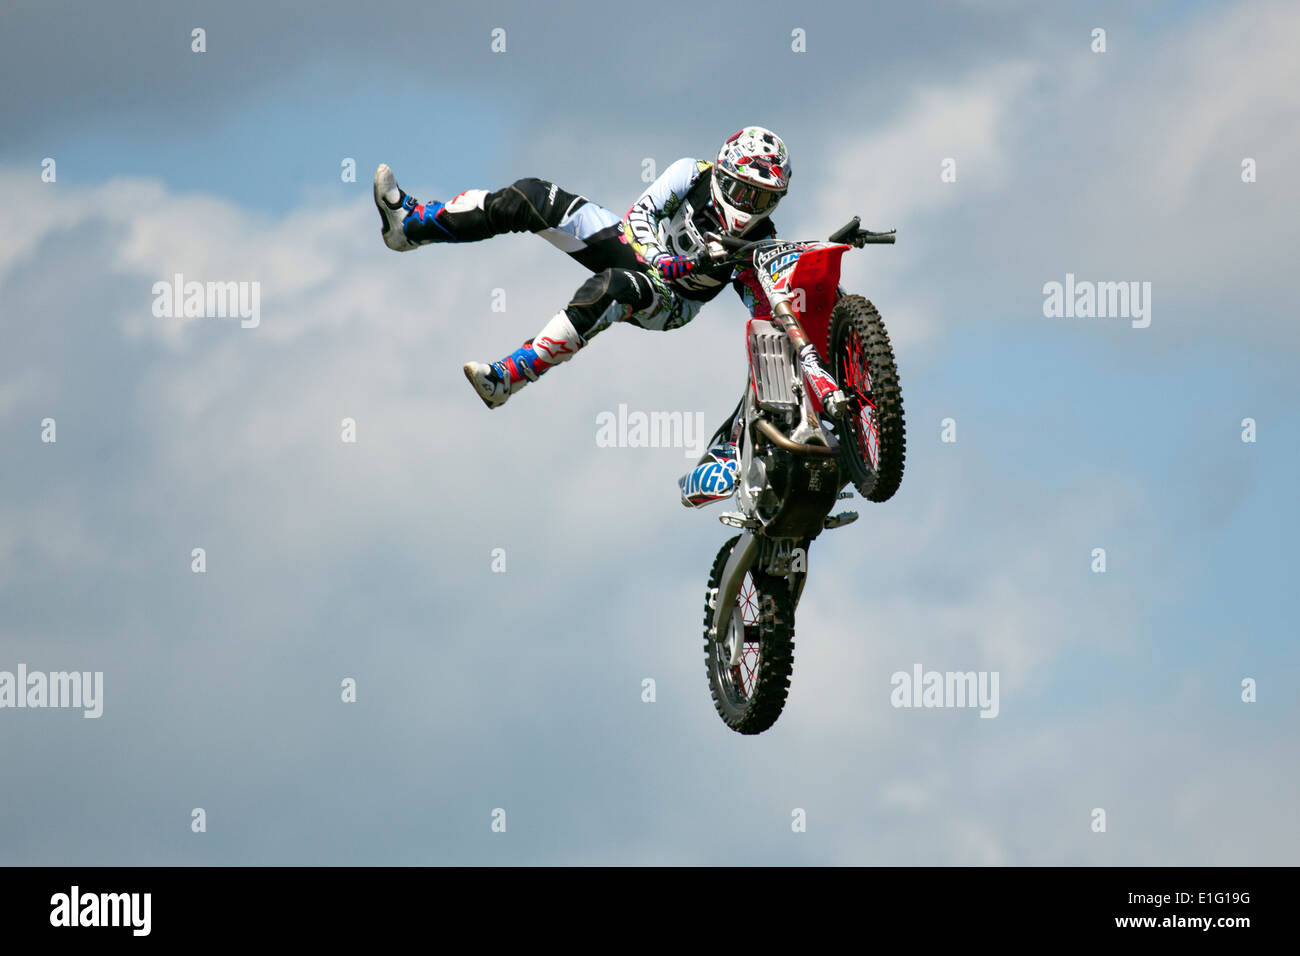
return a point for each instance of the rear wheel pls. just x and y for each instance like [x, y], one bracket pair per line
[750, 694]
[874, 441]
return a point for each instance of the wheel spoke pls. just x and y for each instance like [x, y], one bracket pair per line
[856, 375]
[745, 674]
[869, 435]
[750, 661]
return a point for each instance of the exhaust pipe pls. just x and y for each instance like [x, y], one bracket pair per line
[774, 435]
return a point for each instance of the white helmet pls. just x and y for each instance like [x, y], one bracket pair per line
[751, 176]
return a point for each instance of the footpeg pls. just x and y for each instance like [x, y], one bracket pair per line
[840, 520]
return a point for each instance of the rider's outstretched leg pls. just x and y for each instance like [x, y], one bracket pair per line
[608, 296]
[558, 342]
[568, 221]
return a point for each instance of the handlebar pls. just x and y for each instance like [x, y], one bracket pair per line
[734, 244]
[850, 233]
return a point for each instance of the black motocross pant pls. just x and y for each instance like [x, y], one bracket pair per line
[589, 233]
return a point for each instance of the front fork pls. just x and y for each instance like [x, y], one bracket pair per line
[820, 382]
[784, 316]
[742, 556]
[748, 552]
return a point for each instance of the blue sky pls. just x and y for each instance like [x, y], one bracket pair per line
[521, 690]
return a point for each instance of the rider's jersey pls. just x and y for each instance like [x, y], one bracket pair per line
[670, 219]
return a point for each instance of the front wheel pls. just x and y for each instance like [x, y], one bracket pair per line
[749, 695]
[874, 444]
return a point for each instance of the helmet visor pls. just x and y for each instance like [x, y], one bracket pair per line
[746, 196]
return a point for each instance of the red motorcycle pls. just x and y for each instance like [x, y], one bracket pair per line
[791, 461]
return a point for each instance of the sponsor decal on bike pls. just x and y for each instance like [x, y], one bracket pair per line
[776, 268]
[710, 481]
[777, 250]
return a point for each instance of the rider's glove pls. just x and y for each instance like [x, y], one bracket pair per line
[674, 267]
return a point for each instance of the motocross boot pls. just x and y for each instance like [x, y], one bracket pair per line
[406, 222]
[558, 342]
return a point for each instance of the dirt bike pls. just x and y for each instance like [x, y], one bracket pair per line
[791, 461]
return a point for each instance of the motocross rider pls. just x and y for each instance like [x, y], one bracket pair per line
[655, 267]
